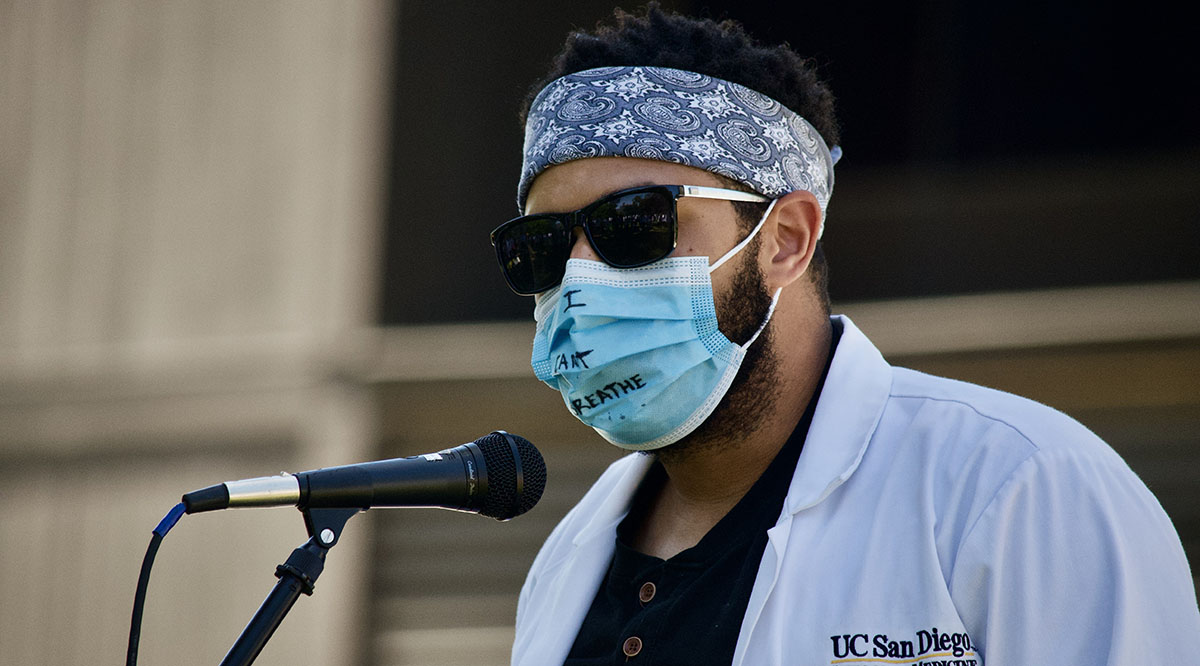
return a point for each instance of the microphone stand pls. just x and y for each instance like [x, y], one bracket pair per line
[296, 576]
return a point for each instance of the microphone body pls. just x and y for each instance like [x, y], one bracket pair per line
[498, 475]
[451, 479]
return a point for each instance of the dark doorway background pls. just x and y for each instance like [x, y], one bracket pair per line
[988, 146]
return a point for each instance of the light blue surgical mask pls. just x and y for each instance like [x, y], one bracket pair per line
[636, 352]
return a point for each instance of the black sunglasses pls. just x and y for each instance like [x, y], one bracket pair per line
[627, 229]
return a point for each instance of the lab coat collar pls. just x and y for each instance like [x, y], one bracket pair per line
[856, 389]
[848, 411]
[613, 510]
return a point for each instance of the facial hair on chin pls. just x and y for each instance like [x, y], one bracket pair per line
[740, 311]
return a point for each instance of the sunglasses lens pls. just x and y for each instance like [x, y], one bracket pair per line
[533, 253]
[626, 230]
[633, 229]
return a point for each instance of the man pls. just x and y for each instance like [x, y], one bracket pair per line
[798, 500]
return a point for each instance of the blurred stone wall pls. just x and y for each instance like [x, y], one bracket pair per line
[189, 205]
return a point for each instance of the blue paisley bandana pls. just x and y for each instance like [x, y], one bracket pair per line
[676, 116]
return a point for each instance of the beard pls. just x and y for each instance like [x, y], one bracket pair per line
[754, 390]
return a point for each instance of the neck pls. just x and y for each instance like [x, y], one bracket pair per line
[717, 465]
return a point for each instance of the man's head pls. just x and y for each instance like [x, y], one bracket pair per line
[723, 50]
[705, 97]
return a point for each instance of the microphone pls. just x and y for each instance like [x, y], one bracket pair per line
[499, 475]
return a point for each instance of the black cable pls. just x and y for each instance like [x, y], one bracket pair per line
[139, 598]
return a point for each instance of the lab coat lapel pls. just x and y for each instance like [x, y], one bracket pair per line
[848, 411]
[584, 569]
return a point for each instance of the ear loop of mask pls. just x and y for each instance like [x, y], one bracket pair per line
[733, 252]
[749, 237]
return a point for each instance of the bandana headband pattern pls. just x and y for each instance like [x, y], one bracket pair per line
[676, 116]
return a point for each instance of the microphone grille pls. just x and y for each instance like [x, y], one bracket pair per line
[503, 501]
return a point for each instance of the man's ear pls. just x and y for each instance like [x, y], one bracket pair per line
[790, 238]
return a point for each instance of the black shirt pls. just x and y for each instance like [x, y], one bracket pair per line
[688, 609]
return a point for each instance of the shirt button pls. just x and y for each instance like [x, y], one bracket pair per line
[632, 646]
[646, 593]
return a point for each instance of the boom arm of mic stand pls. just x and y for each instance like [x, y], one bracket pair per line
[296, 576]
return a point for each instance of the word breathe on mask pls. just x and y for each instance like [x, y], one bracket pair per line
[607, 392]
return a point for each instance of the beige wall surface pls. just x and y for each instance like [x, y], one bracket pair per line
[189, 205]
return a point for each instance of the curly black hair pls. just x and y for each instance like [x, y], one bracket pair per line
[724, 50]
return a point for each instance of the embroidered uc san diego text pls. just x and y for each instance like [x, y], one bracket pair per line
[925, 647]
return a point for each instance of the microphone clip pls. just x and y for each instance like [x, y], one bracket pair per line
[325, 525]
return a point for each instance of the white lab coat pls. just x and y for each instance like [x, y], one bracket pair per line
[929, 521]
